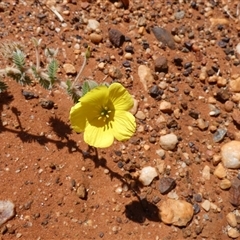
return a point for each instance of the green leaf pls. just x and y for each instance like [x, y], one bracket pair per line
[73, 92]
[35, 73]
[22, 78]
[19, 59]
[88, 52]
[3, 86]
[45, 83]
[36, 42]
[42, 78]
[52, 70]
[51, 52]
[87, 86]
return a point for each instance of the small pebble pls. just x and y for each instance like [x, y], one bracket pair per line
[233, 233]
[228, 105]
[140, 115]
[81, 192]
[95, 38]
[165, 107]
[93, 24]
[145, 76]
[168, 141]
[147, 175]
[128, 56]
[225, 184]
[230, 154]
[220, 171]
[69, 68]
[219, 134]
[164, 36]
[206, 205]
[116, 37]
[161, 64]
[166, 184]
[231, 219]
[234, 193]
[235, 85]
[119, 190]
[206, 172]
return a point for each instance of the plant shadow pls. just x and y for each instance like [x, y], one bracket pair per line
[59, 127]
[139, 211]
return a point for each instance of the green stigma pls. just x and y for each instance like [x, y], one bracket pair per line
[104, 114]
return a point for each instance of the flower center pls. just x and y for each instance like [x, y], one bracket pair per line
[105, 113]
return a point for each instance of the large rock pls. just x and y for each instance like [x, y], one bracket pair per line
[176, 212]
[230, 153]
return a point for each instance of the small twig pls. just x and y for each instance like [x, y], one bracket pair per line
[225, 8]
[54, 10]
[237, 11]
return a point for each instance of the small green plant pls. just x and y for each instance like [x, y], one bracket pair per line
[47, 77]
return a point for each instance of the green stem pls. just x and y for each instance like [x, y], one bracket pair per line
[81, 70]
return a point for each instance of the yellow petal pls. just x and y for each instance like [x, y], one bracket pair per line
[88, 108]
[98, 135]
[120, 97]
[78, 118]
[97, 97]
[124, 125]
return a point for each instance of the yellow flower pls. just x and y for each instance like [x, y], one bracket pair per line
[102, 114]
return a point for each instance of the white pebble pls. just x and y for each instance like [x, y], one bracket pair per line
[206, 205]
[168, 141]
[147, 175]
[231, 155]
[119, 190]
[206, 172]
